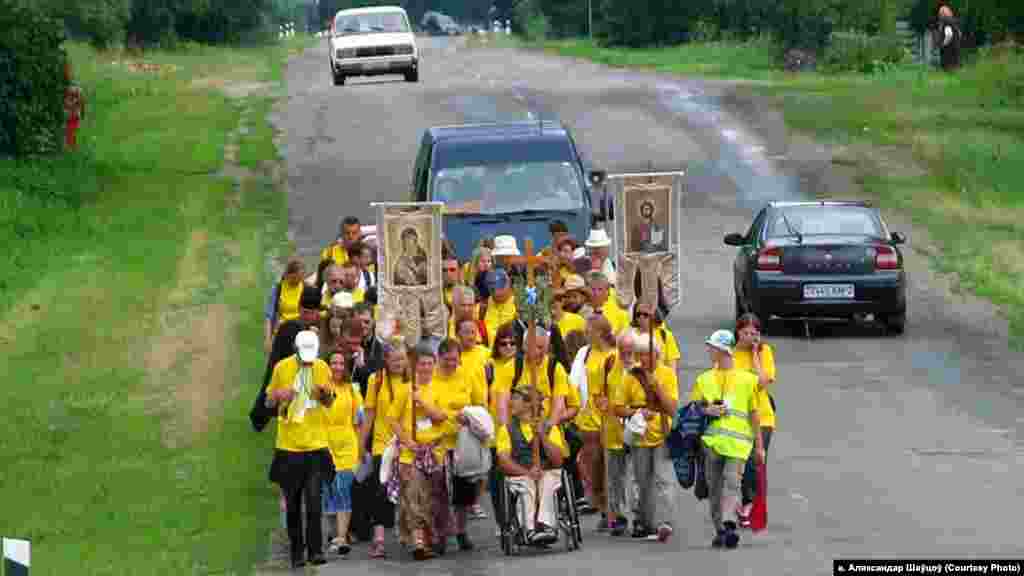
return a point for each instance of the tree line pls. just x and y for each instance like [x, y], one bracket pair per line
[805, 24]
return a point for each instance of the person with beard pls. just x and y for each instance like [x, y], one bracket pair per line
[566, 320]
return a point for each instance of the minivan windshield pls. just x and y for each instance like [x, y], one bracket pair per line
[816, 220]
[369, 23]
[508, 187]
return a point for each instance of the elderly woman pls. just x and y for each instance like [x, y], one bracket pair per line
[342, 440]
[418, 419]
[381, 392]
[299, 390]
[651, 391]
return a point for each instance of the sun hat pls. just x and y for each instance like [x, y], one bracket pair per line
[574, 282]
[598, 239]
[505, 246]
[308, 345]
[342, 300]
[722, 340]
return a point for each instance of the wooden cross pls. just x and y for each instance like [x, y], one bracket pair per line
[531, 262]
[654, 367]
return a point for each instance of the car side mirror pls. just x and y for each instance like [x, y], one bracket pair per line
[735, 239]
[898, 238]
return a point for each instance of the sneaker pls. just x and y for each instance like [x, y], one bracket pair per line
[585, 508]
[318, 560]
[477, 513]
[602, 524]
[543, 534]
[465, 544]
[719, 539]
[731, 538]
[640, 531]
[664, 532]
[620, 526]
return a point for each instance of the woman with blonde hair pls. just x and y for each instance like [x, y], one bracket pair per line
[476, 270]
[590, 372]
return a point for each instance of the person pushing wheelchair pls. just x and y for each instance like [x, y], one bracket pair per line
[535, 483]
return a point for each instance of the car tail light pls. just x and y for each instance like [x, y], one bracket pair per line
[770, 259]
[886, 258]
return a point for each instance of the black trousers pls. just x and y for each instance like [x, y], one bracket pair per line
[304, 490]
[749, 485]
[379, 510]
[496, 486]
[575, 445]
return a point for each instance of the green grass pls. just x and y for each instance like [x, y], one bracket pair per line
[752, 59]
[108, 249]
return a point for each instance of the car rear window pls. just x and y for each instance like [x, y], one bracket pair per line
[825, 220]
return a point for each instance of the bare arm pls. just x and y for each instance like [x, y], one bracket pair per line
[553, 451]
[510, 467]
[502, 404]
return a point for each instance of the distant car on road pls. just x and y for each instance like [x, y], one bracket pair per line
[820, 259]
[371, 42]
[503, 178]
[438, 24]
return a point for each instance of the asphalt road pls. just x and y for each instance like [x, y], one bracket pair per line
[885, 446]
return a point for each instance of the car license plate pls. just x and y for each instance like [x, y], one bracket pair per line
[375, 65]
[828, 291]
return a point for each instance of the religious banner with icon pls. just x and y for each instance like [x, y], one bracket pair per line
[648, 211]
[410, 285]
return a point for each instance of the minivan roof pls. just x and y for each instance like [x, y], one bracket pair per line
[527, 129]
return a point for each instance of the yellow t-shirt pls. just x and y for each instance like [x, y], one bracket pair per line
[340, 420]
[311, 433]
[498, 314]
[427, 432]
[613, 429]
[379, 398]
[571, 321]
[503, 372]
[738, 388]
[464, 387]
[618, 317]
[288, 302]
[503, 442]
[476, 357]
[336, 253]
[744, 360]
[589, 419]
[504, 382]
[635, 397]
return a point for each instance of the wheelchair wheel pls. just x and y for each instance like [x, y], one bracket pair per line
[573, 516]
[510, 531]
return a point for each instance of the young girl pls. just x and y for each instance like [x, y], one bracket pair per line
[757, 357]
[342, 440]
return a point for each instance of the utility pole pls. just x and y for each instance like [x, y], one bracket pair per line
[590, 19]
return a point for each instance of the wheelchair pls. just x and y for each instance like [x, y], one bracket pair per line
[513, 535]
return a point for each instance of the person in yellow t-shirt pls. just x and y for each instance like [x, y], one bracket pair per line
[418, 418]
[600, 358]
[503, 365]
[299, 389]
[501, 307]
[758, 358]
[600, 301]
[534, 482]
[381, 391]
[464, 305]
[619, 477]
[283, 304]
[464, 386]
[474, 358]
[729, 397]
[565, 320]
[651, 390]
[349, 232]
[644, 317]
[342, 440]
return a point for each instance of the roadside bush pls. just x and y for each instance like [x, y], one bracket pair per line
[998, 77]
[100, 22]
[535, 25]
[32, 80]
[852, 52]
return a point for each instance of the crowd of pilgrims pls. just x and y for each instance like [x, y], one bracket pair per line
[341, 393]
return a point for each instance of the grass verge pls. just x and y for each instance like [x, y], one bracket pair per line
[966, 130]
[130, 322]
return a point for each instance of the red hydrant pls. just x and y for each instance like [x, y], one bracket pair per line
[74, 109]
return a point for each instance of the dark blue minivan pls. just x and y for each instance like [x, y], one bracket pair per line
[511, 178]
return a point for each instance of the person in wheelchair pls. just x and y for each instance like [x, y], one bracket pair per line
[535, 483]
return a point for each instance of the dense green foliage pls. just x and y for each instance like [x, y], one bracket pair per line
[31, 79]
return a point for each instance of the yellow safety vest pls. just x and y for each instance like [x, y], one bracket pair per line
[730, 435]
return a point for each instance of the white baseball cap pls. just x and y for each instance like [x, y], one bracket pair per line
[722, 340]
[308, 345]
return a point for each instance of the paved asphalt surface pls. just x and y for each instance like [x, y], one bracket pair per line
[885, 446]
